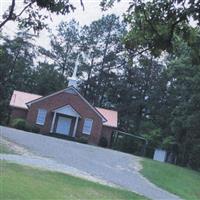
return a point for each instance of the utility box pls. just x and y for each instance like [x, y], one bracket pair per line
[160, 155]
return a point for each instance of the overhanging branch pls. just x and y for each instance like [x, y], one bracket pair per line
[82, 4]
[10, 16]
[25, 8]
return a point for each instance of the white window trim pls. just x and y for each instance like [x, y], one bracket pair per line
[38, 120]
[85, 132]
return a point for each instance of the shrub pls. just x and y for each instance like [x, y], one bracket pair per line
[195, 157]
[23, 125]
[103, 142]
[82, 139]
[19, 124]
[57, 135]
[33, 128]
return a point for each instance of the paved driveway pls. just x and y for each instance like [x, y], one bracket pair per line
[112, 166]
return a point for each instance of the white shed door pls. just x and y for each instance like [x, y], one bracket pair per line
[160, 155]
[63, 125]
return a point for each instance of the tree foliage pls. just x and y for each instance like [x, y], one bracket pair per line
[64, 47]
[154, 25]
[184, 77]
[102, 46]
[18, 71]
[16, 60]
[33, 17]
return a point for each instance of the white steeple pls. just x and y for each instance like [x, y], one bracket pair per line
[74, 79]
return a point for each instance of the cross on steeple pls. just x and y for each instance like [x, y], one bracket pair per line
[73, 79]
[76, 67]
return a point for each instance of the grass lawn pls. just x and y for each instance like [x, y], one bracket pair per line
[5, 149]
[181, 181]
[21, 182]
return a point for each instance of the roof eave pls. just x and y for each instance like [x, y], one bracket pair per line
[110, 126]
[18, 107]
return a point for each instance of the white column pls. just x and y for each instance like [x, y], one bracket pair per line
[75, 127]
[53, 122]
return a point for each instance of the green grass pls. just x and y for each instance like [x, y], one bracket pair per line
[21, 182]
[5, 149]
[180, 181]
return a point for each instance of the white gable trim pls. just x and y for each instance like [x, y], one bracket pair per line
[67, 110]
[65, 90]
[93, 108]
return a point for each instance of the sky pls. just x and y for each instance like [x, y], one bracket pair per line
[84, 17]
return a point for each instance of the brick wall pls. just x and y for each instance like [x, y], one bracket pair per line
[18, 113]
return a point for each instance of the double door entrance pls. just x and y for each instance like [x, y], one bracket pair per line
[63, 125]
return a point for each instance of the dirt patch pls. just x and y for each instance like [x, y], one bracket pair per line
[16, 149]
[137, 165]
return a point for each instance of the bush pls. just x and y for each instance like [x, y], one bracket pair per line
[23, 125]
[194, 161]
[103, 142]
[34, 129]
[66, 137]
[82, 139]
[19, 124]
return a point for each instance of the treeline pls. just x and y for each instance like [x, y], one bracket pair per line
[156, 97]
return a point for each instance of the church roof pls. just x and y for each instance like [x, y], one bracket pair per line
[110, 115]
[19, 99]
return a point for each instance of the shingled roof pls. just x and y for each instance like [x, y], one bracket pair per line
[19, 99]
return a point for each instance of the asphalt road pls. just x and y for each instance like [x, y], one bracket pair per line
[112, 166]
